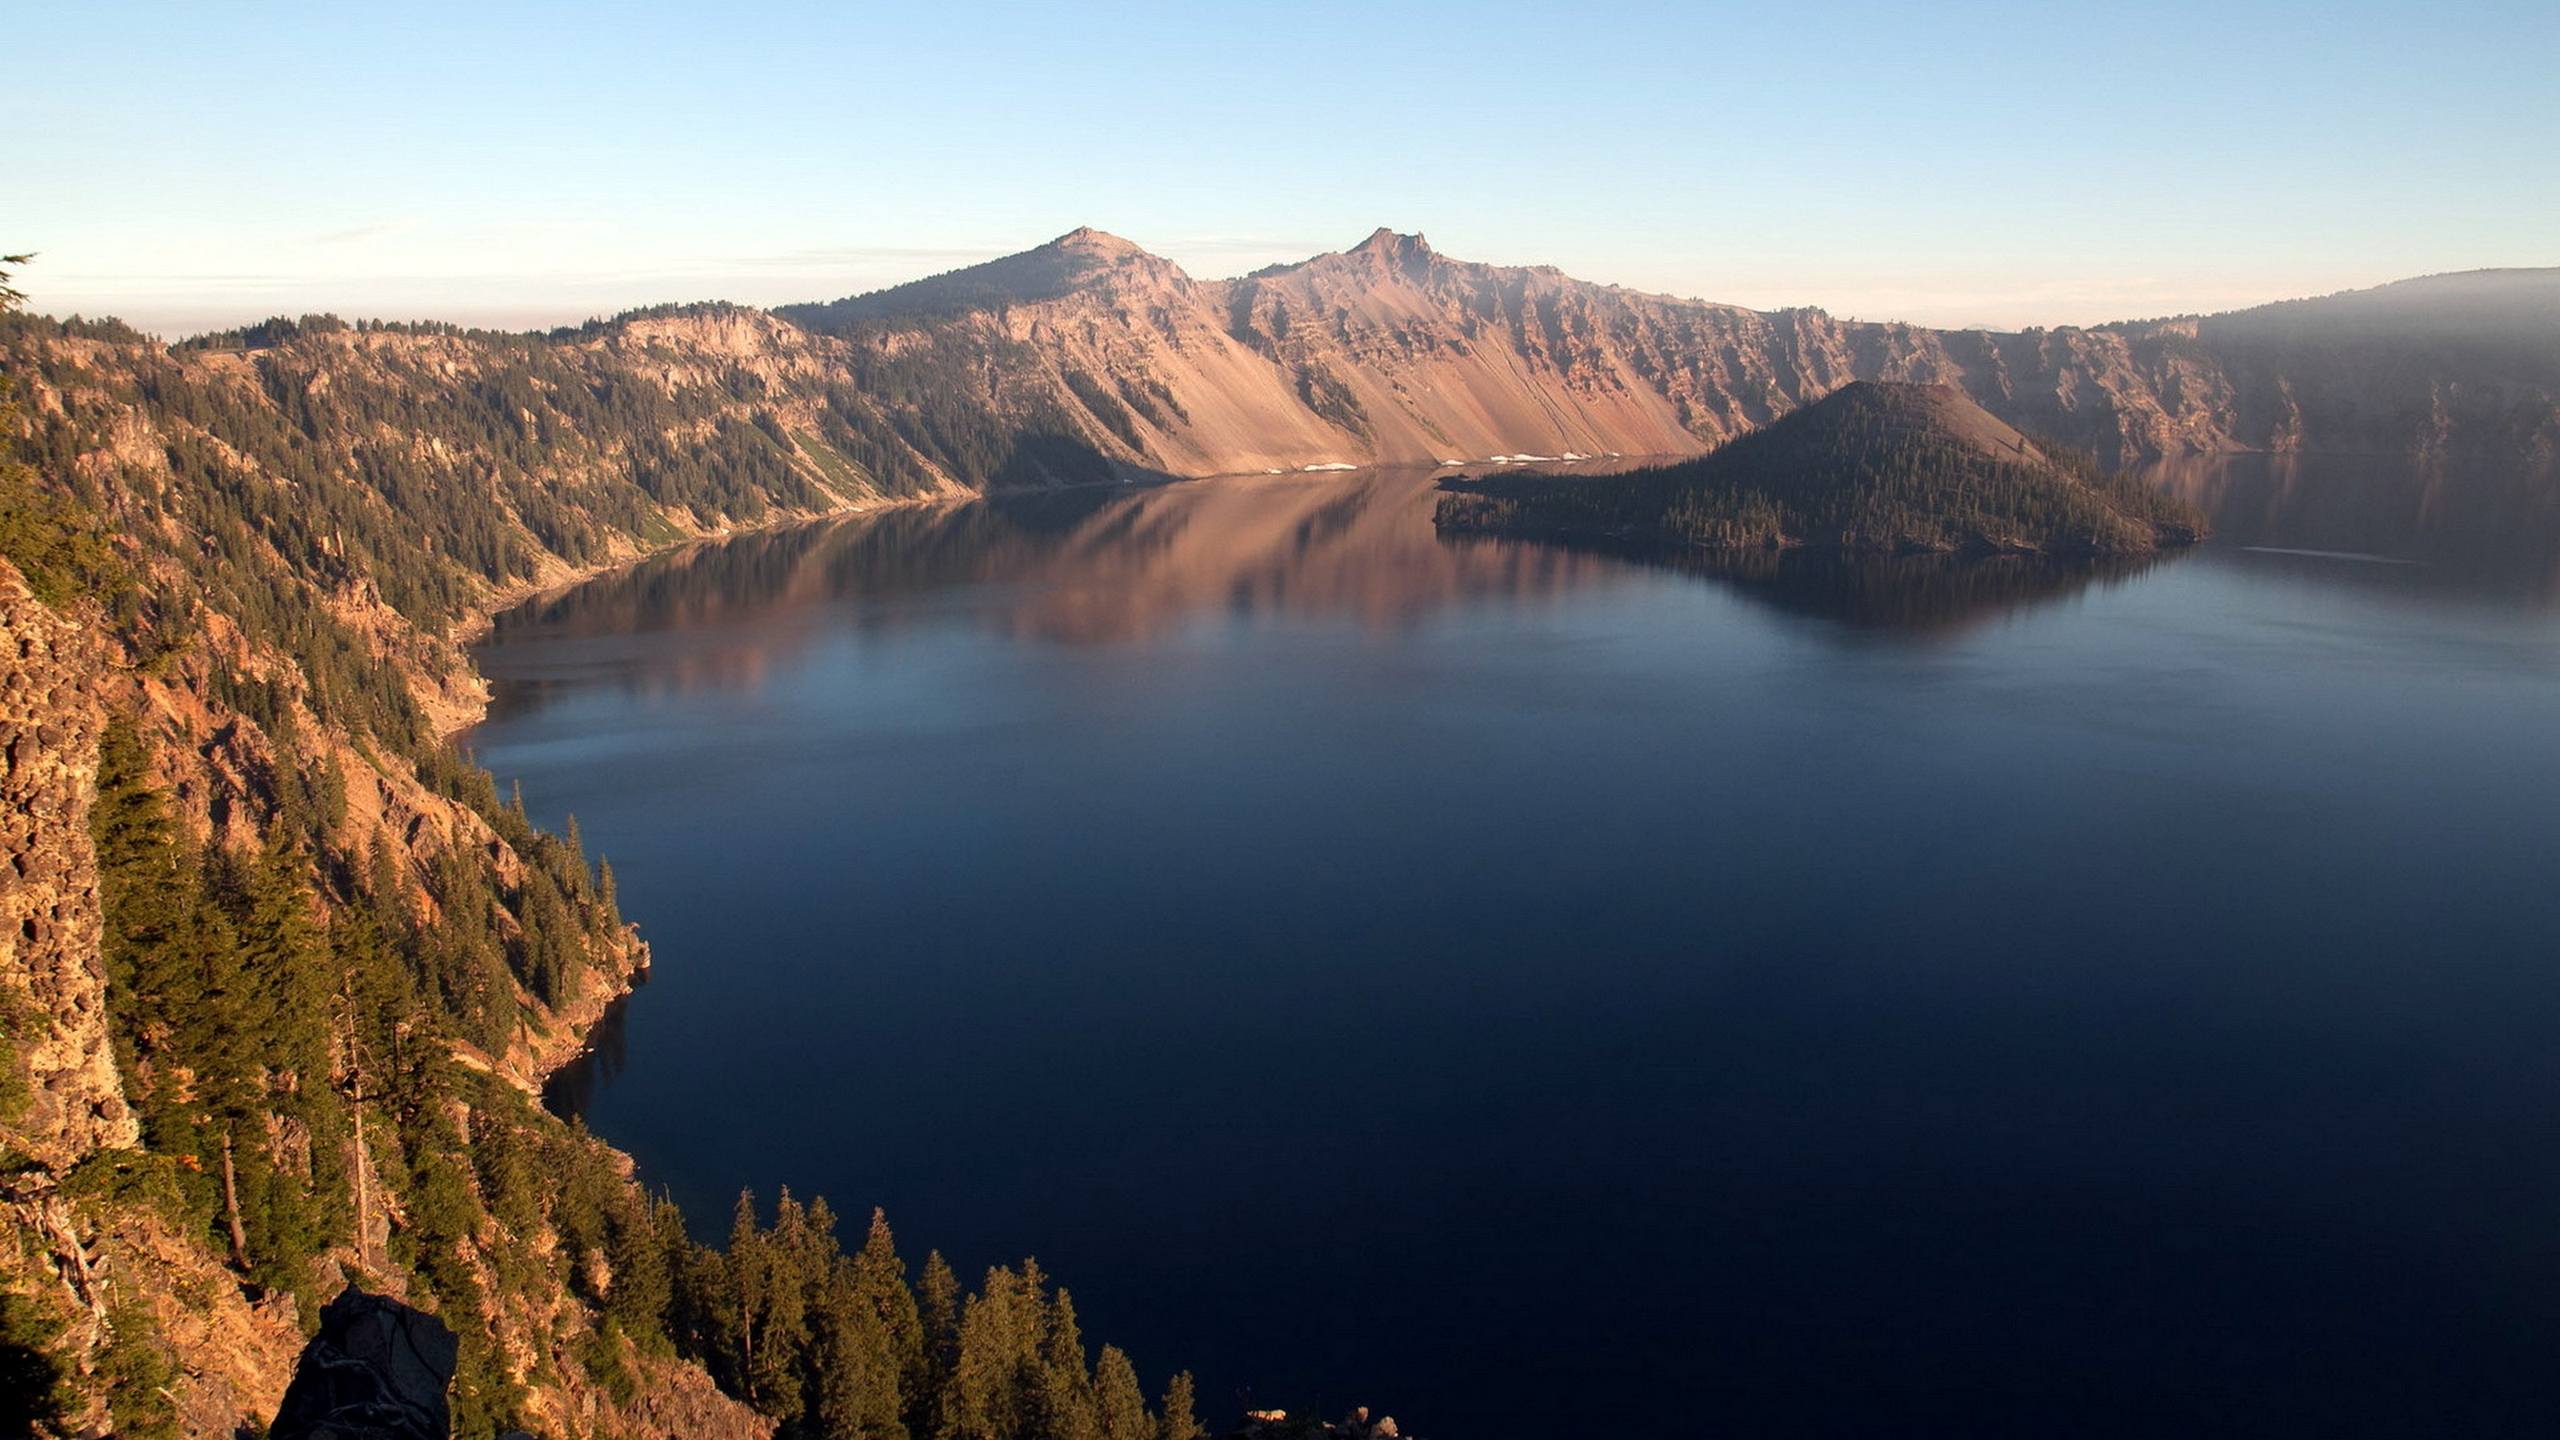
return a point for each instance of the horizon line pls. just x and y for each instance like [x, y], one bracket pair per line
[179, 334]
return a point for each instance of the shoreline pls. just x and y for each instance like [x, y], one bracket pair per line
[547, 1062]
[483, 617]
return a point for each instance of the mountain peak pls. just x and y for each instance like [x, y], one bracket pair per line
[1081, 257]
[1386, 244]
[1094, 242]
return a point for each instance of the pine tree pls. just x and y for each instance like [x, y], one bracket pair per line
[276, 1019]
[744, 1297]
[938, 1311]
[790, 1258]
[857, 1374]
[608, 896]
[993, 1392]
[643, 1286]
[693, 1274]
[285, 983]
[371, 1012]
[880, 1278]
[149, 902]
[1120, 1405]
[1180, 1420]
[1067, 1409]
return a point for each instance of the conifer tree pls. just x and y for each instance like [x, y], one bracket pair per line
[149, 902]
[856, 1380]
[745, 1296]
[692, 1274]
[789, 1257]
[938, 1311]
[643, 1285]
[880, 1277]
[1180, 1421]
[1119, 1405]
[608, 896]
[285, 985]
[1067, 1410]
[992, 1390]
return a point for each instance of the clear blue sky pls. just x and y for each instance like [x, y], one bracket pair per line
[192, 163]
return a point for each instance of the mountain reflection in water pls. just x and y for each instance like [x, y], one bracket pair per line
[1101, 566]
[2466, 528]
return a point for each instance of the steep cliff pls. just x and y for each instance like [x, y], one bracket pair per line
[258, 565]
[1393, 353]
[67, 1102]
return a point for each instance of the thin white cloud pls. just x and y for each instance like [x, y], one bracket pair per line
[357, 234]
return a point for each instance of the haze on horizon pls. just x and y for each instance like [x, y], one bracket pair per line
[189, 167]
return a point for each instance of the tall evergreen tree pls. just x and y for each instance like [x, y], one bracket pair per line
[880, 1281]
[1180, 1421]
[745, 1296]
[856, 1394]
[1119, 1405]
[790, 1256]
[994, 1384]
[938, 1309]
[150, 903]
[1067, 1409]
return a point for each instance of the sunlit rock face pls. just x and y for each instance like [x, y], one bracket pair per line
[56, 986]
[1391, 353]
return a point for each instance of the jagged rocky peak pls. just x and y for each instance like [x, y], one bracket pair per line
[1386, 245]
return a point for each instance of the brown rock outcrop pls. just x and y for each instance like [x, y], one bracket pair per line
[51, 978]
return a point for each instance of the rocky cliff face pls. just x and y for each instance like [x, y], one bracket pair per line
[51, 983]
[1393, 353]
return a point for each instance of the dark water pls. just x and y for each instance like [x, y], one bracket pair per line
[1533, 993]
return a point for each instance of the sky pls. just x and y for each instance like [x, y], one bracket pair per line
[194, 165]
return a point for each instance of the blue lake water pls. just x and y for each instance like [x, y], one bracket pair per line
[1537, 993]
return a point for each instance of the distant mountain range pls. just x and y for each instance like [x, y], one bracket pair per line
[1390, 352]
[1089, 359]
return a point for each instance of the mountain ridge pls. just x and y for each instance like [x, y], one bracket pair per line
[1393, 352]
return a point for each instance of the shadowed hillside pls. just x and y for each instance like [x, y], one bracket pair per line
[1872, 468]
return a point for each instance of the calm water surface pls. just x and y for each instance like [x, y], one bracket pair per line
[1531, 992]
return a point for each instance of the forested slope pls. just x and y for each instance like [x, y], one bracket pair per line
[1870, 468]
[282, 970]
